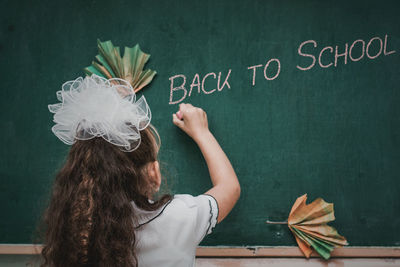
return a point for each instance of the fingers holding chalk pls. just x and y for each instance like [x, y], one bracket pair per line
[179, 114]
[192, 120]
[177, 118]
[178, 122]
[182, 108]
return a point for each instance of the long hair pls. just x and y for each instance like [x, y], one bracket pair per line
[90, 220]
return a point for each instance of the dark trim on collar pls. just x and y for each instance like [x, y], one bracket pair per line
[161, 211]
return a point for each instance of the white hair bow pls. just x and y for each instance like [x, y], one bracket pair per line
[94, 106]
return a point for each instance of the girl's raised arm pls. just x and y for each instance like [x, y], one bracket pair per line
[226, 188]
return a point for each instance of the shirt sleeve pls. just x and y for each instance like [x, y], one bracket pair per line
[205, 214]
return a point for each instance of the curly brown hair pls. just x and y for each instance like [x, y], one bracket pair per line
[90, 220]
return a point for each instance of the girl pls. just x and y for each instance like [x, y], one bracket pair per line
[102, 211]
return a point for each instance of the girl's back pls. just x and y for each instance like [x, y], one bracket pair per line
[102, 211]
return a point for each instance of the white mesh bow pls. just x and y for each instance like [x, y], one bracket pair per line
[95, 106]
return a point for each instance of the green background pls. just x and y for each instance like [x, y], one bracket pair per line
[332, 133]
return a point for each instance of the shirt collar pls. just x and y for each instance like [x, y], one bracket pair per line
[145, 216]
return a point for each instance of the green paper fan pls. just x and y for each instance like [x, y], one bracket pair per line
[109, 65]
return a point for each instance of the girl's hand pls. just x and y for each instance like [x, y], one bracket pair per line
[191, 120]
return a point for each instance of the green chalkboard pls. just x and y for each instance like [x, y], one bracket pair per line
[321, 116]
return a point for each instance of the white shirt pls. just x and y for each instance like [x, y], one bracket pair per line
[169, 236]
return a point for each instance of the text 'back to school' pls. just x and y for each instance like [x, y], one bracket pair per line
[324, 57]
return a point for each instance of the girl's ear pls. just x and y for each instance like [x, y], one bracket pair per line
[154, 175]
[158, 174]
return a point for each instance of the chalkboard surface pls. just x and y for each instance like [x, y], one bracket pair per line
[302, 95]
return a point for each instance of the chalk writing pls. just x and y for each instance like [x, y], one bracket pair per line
[254, 68]
[328, 56]
[345, 52]
[196, 83]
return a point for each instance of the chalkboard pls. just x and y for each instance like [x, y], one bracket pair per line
[308, 101]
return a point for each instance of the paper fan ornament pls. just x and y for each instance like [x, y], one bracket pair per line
[109, 65]
[308, 223]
